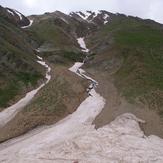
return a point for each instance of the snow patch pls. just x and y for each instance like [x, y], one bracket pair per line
[43, 63]
[95, 14]
[84, 15]
[30, 24]
[82, 44]
[38, 146]
[19, 14]
[106, 16]
[40, 58]
[10, 12]
[76, 67]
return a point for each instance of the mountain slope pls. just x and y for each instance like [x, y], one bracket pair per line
[129, 52]
[18, 67]
[126, 50]
[125, 57]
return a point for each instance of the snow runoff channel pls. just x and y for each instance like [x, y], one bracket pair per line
[10, 112]
[75, 139]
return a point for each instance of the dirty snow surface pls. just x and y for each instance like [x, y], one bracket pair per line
[82, 44]
[10, 112]
[75, 140]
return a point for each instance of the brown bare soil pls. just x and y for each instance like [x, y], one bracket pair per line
[117, 105]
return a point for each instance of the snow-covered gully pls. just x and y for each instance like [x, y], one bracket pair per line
[30, 24]
[10, 112]
[75, 139]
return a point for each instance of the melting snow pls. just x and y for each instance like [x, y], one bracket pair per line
[30, 24]
[95, 14]
[64, 20]
[76, 67]
[43, 146]
[43, 63]
[40, 58]
[74, 139]
[82, 44]
[10, 112]
[106, 16]
[19, 14]
[84, 15]
[9, 11]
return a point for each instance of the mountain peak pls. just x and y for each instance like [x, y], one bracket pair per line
[96, 17]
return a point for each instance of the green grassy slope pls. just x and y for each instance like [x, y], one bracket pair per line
[18, 67]
[140, 45]
[52, 31]
[57, 43]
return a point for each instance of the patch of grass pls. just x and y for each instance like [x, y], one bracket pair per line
[27, 78]
[73, 56]
[139, 42]
[50, 101]
[48, 31]
[143, 58]
[8, 93]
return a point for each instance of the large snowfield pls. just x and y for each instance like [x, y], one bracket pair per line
[75, 140]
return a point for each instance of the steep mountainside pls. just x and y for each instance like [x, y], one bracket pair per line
[126, 50]
[55, 33]
[125, 56]
[14, 16]
[115, 41]
[18, 67]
